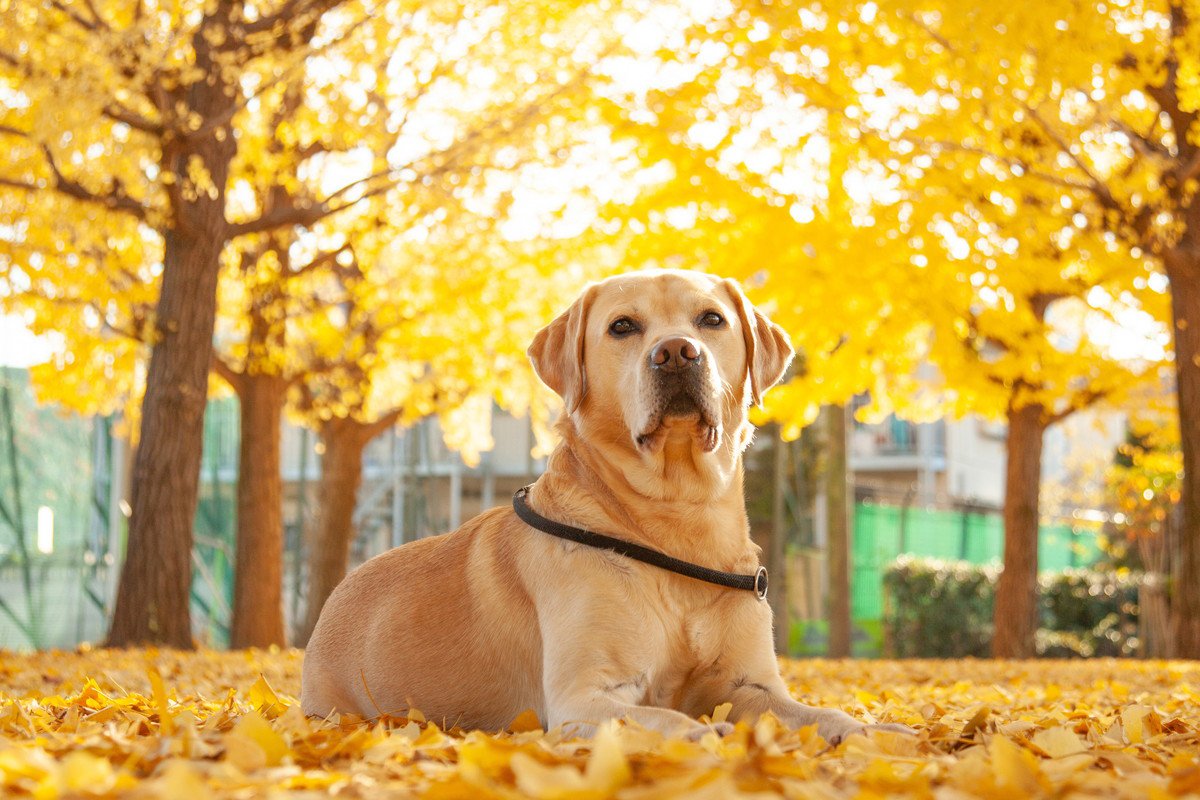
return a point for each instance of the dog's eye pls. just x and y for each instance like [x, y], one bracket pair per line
[712, 319]
[622, 327]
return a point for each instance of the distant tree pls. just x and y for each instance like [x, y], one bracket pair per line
[893, 206]
[124, 123]
[1078, 123]
[454, 347]
[281, 285]
[1144, 489]
[12, 515]
[138, 157]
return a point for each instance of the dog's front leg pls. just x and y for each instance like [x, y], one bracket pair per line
[746, 675]
[594, 671]
[750, 698]
[581, 710]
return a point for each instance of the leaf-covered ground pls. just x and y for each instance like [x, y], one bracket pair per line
[208, 724]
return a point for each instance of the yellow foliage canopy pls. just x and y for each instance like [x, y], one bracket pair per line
[376, 145]
[918, 182]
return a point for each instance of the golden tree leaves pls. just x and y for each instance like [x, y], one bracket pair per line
[368, 136]
[912, 183]
[209, 724]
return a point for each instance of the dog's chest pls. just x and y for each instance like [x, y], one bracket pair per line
[690, 647]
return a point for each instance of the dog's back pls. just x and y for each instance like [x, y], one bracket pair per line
[411, 628]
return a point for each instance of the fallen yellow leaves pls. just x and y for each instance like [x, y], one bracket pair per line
[208, 724]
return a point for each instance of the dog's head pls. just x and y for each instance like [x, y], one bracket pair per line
[660, 356]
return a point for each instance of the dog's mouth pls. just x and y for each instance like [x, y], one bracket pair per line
[680, 410]
[681, 405]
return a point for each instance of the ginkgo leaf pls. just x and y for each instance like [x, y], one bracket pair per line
[526, 721]
[56, 744]
[263, 698]
[1014, 766]
[253, 744]
[1059, 741]
[607, 769]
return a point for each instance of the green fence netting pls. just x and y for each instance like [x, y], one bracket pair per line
[884, 532]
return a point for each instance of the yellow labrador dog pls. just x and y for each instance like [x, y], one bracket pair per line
[656, 371]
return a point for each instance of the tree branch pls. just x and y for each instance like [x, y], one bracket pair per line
[1097, 186]
[1167, 95]
[309, 215]
[286, 13]
[318, 261]
[227, 372]
[77, 18]
[284, 75]
[441, 162]
[15, 184]
[931, 33]
[1082, 400]
[384, 173]
[1008, 161]
[278, 217]
[119, 113]
[140, 315]
[380, 425]
[1138, 222]
[1143, 143]
[115, 199]
[91, 6]
[1185, 171]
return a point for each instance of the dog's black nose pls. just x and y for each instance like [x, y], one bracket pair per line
[676, 354]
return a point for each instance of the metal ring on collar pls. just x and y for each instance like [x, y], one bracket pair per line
[760, 583]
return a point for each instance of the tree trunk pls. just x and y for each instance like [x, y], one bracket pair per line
[1184, 275]
[1017, 594]
[153, 595]
[776, 554]
[258, 570]
[329, 545]
[838, 515]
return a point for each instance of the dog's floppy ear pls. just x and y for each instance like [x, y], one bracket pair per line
[557, 352]
[768, 349]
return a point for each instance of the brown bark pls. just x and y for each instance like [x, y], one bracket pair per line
[838, 515]
[153, 595]
[1183, 269]
[258, 571]
[776, 551]
[329, 544]
[1016, 594]
[258, 568]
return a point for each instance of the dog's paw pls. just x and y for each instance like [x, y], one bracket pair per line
[697, 733]
[835, 729]
[892, 727]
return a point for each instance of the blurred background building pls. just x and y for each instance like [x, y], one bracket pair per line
[929, 489]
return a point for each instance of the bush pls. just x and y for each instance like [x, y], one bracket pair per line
[938, 608]
[943, 609]
[1095, 613]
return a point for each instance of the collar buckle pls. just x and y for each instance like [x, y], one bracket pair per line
[760, 583]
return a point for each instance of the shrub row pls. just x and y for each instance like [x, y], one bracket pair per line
[943, 609]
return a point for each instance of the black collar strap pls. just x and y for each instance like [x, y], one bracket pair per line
[756, 583]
